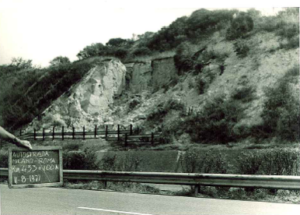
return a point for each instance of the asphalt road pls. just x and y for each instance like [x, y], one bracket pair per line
[59, 201]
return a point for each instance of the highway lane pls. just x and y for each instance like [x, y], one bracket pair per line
[59, 201]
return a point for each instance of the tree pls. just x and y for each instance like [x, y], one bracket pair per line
[116, 42]
[95, 49]
[60, 60]
[240, 25]
[21, 63]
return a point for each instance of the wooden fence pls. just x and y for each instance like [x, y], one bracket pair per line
[121, 135]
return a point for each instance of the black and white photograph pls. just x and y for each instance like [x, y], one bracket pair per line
[149, 107]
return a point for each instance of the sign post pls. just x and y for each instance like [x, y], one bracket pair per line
[39, 167]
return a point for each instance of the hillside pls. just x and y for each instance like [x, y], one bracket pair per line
[226, 77]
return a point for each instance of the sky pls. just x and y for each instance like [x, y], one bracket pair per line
[41, 30]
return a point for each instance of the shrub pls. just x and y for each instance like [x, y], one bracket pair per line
[183, 57]
[120, 53]
[269, 162]
[203, 81]
[133, 103]
[216, 121]
[210, 162]
[163, 108]
[202, 23]
[241, 25]
[71, 147]
[244, 94]
[114, 163]
[281, 112]
[80, 160]
[280, 162]
[142, 51]
[241, 48]
[249, 163]
[59, 60]
[292, 43]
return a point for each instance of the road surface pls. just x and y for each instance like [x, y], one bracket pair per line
[59, 201]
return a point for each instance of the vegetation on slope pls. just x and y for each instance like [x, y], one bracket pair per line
[36, 88]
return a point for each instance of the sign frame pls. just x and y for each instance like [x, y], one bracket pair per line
[35, 148]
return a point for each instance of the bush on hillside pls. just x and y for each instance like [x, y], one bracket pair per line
[203, 81]
[55, 82]
[164, 108]
[244, 94]
[281, 114]
[142, 51]
[240, 26]
[215, 123]
[169, 37]
[120, 53]
[95, 49]
[202, 23]
[241, 48]
[59, 61]
[183, 57]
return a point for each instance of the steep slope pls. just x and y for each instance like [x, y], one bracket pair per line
[216, 89]
[89, 101]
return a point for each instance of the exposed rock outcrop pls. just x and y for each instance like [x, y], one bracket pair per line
[89, 101]
[138, 76]
[164, 72]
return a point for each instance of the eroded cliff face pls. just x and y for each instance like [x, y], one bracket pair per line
[138, 77]
[88, 102]
[149, 76]
[164, 72]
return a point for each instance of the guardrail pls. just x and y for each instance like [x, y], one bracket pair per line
[196, 179]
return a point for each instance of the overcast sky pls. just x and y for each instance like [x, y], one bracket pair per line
[43, 29]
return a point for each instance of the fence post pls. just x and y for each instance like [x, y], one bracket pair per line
[95, 131]
[43, 134]
[131, 132]
[152, 138]
[118, 132]
[106, 132]
[73, 132]
[83, 133]
[62, 133]
[20, 132]
[34, 134]
[53, 133]
[126, 140]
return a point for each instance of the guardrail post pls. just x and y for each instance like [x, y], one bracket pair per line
[105, 184]
[95, 131]
[53, 133]
[152, 138]
[106, 132]
[131, 131]
[197, 189]
[126, 140]
[34, 134]
[118, 132]
[43, 134]
[83, 133]
[62, 133]
[73, 132]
